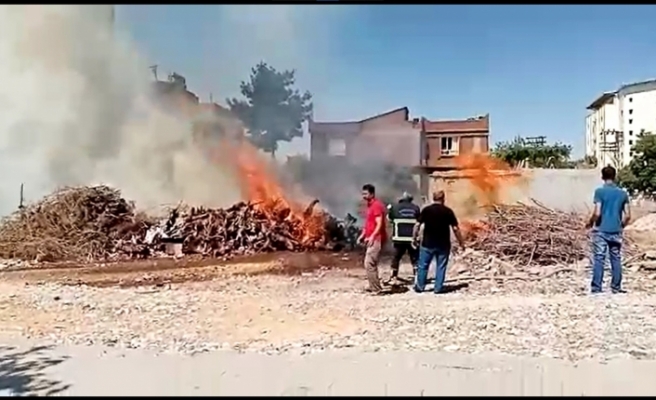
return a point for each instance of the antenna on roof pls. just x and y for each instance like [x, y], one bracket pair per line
[211, 98]
[153, 69]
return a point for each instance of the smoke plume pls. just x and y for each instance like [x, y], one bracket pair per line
[382, 157]
[75, 110]
[75, 104]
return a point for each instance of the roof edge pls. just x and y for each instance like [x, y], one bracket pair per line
[601, 100]
[406, 109]
[632, 85]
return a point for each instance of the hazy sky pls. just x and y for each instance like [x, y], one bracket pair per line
[533, 68]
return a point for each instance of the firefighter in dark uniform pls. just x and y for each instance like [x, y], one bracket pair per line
[403, 217]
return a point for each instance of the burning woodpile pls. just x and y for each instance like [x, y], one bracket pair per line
[242, 229]
[530, 235]
[95, 224]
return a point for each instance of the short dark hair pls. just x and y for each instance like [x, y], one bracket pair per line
[608, 173]
[369, 188]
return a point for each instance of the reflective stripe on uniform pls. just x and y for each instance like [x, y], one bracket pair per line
[396, 237]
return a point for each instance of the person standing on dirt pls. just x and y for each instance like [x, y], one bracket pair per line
[373, 236]
[403, 216]
[438, 221]
[612, 212]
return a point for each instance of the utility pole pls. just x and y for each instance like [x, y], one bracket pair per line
[20, 202]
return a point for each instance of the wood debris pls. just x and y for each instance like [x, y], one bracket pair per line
[530, 235]
[85, 224]
[81, 224]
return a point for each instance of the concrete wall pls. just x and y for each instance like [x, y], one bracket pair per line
[562, 189]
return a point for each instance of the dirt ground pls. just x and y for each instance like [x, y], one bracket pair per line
[171, 271]
[312, 302]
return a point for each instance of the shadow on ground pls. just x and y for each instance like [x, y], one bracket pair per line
[24, 373]
[449, 288]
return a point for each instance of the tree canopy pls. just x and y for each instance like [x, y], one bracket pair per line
[639, 176]
[519, 150]
[272, 109]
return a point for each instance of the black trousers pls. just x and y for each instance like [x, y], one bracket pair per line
[400, 248]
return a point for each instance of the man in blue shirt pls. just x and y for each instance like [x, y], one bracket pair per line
[611, 214]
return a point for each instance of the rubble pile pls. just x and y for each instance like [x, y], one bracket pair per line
[530, 235]
[82, 224]
[646, 223]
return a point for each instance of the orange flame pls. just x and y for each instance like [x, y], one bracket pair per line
[489, 176]
[258, 185]
[490, 179]
[261, 187]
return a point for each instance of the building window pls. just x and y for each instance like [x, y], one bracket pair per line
[630, 142]
[630, 99]
[630, 121]
[449, 146]
[337, 147]
[630, 154]
[631, 133]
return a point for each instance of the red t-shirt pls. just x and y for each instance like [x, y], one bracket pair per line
[374, 210]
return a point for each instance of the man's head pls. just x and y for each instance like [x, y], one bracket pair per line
[608, 173]
[439, 196]
[368, 192]
[406, 198]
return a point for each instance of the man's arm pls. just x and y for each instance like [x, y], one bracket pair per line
[415, 232]
[596, 211]
[456, 230]
[626, 213]
[390, 212]
[417, 227]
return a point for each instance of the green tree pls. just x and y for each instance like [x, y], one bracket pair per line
[272, 109]
[590, 160]
[640, 175]
[518, 150]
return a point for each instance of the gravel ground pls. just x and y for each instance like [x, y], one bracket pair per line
[325, 310]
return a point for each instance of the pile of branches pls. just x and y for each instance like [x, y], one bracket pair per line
[242, 229]
[86, 224]
[73, 224]
[531, 235]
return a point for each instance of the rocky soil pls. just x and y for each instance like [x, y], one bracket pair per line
[324, 309]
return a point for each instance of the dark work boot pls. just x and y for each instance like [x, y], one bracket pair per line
[393, 278]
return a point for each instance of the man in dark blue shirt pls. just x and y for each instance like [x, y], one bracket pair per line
[611, 214]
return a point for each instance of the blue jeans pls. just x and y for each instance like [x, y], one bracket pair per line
[602, 242]
[426, 256]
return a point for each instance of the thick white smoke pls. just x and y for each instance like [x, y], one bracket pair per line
[74, 110]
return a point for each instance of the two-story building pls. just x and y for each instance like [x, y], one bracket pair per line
[425, 146]
[442, 141]
[391, 137]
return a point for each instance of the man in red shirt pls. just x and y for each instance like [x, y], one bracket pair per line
[373, 236]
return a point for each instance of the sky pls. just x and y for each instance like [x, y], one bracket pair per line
[534, 69]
